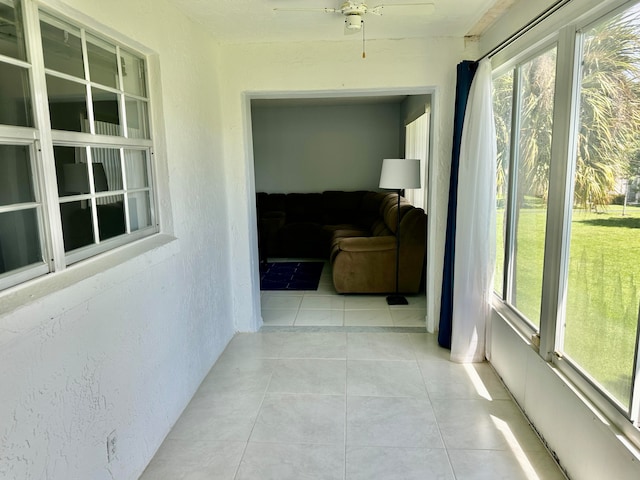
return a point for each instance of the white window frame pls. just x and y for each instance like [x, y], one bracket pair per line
[556, 257]
[41, 139]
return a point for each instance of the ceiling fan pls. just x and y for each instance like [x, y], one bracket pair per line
[355, 11]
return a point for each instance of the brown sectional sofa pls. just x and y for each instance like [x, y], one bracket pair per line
[355, 231]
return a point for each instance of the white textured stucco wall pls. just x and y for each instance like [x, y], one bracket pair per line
[126, 343]
[330, 68]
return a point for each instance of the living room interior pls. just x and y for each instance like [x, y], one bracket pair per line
[335, 144]
[120, 343]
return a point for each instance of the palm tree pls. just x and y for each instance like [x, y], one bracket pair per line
[609, 109]
[609, 133]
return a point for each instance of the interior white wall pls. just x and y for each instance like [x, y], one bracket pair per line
[332, 69]
[323, 147]
[122, 343]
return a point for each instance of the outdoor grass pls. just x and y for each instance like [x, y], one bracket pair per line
[603, 290]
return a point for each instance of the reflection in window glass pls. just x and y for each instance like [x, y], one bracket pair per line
[111, 221]
[136, 165]
[71, 170]
[107, 169]
[139, 210]
[103, 63]
[61, 46]
[67, 105]
[137, 118]
[106, 112]
[12, 36]
[133, 74]
[502, 111]
[603, 292]
[16, 185]
[537, 87]
[77, 224]
[15, 99]
[19, 239]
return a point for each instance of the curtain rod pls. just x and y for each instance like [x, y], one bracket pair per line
[516, 35]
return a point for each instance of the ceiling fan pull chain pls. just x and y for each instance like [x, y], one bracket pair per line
[364, 55]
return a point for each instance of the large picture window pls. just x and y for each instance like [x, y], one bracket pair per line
[581, 298]
[603, 290]
[94, 107]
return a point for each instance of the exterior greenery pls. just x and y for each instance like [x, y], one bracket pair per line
[603, 293]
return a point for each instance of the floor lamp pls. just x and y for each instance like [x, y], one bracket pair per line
[398, 174]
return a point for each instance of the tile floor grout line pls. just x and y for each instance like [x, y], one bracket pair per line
[435, 417]
[246, 446]
[346, 401]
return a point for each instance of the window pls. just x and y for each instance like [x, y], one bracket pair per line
[603, 291]
[569, 155]
[524, 208]
[417, 146]
[86, 186]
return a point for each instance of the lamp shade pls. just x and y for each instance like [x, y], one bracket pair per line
[400, 173]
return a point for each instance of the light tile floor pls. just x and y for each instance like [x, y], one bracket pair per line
[323, 307]
[345, 401]
[349, 405]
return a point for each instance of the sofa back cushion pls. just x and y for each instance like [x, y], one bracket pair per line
[389, 211]
[341, 207]
[370, 209]
[304, 207]
[270, 202]
[379, 228]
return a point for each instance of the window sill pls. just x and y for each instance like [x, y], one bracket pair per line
[143, 253]
[618, 426]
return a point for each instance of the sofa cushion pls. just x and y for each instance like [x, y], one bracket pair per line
[270, 202]
[302, 239]
[370, 208]
[304, 207]
[390, 211]
[341, 207]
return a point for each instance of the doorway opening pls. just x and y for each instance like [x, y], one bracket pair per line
[335, 141]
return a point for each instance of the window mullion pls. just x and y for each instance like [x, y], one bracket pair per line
[46, 170]
[558, 223]
[87, 77]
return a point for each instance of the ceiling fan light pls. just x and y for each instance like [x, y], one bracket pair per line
[353, 22]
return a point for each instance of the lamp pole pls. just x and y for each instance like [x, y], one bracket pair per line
[398, 174]
[397, 299]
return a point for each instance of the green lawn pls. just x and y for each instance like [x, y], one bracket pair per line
[603, 292]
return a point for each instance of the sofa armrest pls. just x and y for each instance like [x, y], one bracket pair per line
[367, 244]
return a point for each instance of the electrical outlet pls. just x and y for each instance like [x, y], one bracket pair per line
[112, 444]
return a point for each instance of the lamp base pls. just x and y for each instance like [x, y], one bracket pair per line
[396, 300]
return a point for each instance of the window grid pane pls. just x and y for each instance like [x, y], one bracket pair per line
[20, 227]
[12, 44]
[15, 96]
[103, 64]
[62, 46]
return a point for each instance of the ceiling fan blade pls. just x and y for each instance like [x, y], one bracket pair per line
[423, 8]
[324, 10]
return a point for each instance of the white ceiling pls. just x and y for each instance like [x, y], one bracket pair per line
[244, 21]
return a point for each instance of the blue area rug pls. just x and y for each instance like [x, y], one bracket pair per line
[290, 275]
